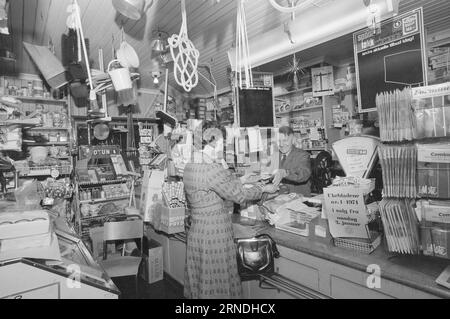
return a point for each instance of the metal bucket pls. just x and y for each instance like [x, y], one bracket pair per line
[120, 77]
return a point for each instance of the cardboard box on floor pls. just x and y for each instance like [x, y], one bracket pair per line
[152, 269]
[96, 234]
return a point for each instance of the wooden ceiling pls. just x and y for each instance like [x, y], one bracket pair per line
[211, 27]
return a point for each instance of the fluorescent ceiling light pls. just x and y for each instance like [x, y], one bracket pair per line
[311, 27]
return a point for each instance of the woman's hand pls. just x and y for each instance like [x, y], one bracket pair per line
[269, 188]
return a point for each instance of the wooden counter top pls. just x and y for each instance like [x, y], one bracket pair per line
[419, 272]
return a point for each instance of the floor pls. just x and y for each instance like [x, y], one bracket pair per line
[163, 289]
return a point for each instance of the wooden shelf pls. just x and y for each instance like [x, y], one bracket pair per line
[49, 128]
[101, 200]
[45, 143]
[294, 91]
[115, 181]
[300, 110]
[346, 90]
[42, 172]
[37, 99]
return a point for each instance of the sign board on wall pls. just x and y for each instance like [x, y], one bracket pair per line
[255, 106]
[322, 81]
[390, 57]
[98, 151]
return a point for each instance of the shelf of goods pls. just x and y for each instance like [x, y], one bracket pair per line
[147, 134]
[33, 99]
[45, 144]
[307, 88]
[45, 170]
[303, 109]
[103, 200]
[102, 187]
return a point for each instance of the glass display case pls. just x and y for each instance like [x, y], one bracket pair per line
[76, 275]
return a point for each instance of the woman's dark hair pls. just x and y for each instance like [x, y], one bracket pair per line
[286, 130]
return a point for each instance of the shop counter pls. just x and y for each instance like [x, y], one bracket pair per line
[343, 273]
[324, 270]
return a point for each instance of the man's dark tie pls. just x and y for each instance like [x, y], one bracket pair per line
[283, 159]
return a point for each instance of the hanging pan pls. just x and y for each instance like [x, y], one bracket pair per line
[132, 9]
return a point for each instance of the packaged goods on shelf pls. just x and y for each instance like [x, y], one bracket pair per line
[58, 188]
[173, 194]
[10, 138]
[397, 121]
[433, 170]
[435, 227]
[431, 106]
[398, 163]
[400, 225]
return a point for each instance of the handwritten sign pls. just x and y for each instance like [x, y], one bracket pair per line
[346, 212]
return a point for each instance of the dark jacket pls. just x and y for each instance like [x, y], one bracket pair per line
[298, 165]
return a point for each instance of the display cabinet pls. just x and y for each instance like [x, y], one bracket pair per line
[77, 275]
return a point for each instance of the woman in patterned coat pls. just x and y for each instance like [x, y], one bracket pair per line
[211, 267]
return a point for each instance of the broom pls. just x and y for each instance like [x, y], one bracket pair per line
[93, 106]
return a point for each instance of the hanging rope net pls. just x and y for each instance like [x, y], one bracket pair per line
[186, 60]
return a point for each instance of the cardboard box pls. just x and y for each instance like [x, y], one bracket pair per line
[96, 234]
[153, 266]
[172, 220]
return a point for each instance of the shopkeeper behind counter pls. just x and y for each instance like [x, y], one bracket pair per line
[294, 166]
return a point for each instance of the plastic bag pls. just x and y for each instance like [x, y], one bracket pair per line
[29, 195]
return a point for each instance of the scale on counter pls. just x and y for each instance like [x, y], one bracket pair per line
[348, 214]
[357, 154]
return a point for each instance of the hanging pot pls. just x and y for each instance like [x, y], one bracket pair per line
[79, 89]
[127, 56]
[132, 9]
[120, 77]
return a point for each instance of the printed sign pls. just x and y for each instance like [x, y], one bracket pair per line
[101, 151]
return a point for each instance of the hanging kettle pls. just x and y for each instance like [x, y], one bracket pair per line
[132, 9]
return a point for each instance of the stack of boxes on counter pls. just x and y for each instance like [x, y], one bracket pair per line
[146, 133]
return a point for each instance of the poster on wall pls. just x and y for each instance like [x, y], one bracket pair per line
[390, 57]
[322, 81]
